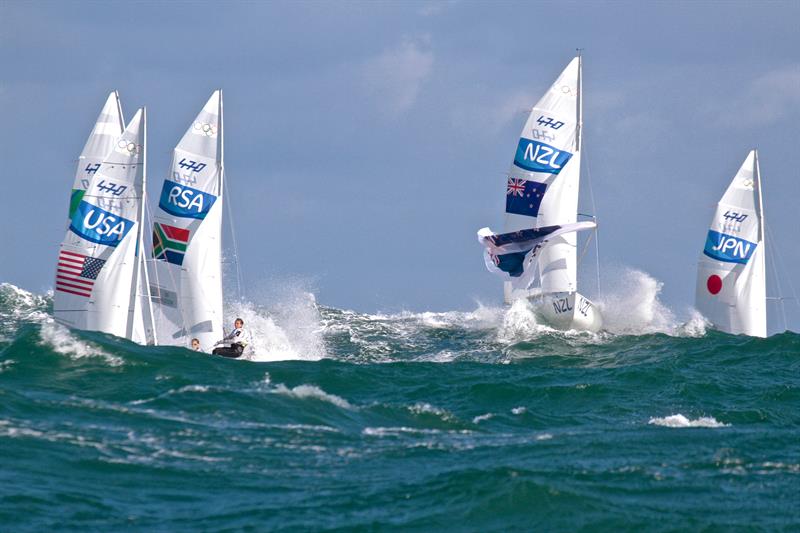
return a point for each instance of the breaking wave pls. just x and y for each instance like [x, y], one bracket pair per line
[680, 421]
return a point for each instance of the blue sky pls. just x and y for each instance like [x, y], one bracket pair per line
[367, 142]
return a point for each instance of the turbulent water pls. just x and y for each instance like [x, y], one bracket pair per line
[479, 421]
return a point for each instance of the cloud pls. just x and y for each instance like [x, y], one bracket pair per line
[430, 9]
[397, 74]
[767, 99]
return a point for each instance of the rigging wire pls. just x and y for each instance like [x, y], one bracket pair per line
[597, 228]
[232, 228]
[773, 255]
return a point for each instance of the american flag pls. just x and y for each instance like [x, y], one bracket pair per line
[76, 273]
[516, 187]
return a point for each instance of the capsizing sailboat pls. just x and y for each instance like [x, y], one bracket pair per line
[731, 278]
[186, 265]
[542, 197]
[100, 276]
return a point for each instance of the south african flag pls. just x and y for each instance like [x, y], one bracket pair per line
[169, 243]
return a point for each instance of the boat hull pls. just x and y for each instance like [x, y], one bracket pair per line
[567, 311]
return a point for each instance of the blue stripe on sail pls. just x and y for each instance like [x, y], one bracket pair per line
[728, 248]
[184, 201]
[536, 156]
[98, 225]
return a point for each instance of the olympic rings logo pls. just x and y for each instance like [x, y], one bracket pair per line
[204, 128]
[130, 147]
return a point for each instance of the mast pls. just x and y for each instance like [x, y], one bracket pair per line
[757, 169]
[137, 253]
[140, 253]
[579, 129]
[119, 109]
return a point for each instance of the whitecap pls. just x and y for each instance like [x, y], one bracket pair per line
[480, 418]
[312, 391]
[64, 342]
[289, 329]
[680, 421]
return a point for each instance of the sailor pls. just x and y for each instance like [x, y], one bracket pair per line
[195, 344]
[234, 343]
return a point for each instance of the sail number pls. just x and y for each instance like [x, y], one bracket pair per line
[561, 305]
[111, 188]
[734, 216]
[549, 122]
[91, 169]
[583, 307]
[192, 166]
[544, 155]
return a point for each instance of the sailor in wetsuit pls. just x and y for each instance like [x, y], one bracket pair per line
[234, 343]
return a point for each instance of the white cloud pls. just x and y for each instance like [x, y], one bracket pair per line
[396, 75]
[430, 9]
[767, 99]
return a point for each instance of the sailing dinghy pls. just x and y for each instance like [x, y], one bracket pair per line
[538, 256]
[99, 285]
[186, 273]
[731, 280]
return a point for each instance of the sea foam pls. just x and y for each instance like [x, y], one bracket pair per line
[680, 421]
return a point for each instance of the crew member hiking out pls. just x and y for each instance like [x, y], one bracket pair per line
[234, 343]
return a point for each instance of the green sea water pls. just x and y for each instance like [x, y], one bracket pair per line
[476, 421]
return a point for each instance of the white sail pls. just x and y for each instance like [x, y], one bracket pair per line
[107, 129]
[186, 278]
[731, 281]
[96, 275]
[543, 181]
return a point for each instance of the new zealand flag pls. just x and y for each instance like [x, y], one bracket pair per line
[523, 197]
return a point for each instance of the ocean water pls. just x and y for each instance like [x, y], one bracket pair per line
[455, 421]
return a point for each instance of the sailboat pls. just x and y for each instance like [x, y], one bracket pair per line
[542, 195]
[186, 273]
[731, 280]
[99, 284]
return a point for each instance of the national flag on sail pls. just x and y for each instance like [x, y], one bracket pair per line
[76, 273]
[523, 197]
[169, 243]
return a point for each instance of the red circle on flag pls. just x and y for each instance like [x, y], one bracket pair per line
[714, 284]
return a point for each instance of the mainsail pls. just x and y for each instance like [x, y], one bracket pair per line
[731, 281]
[107, 129]
[186, 278]
[97, 276]
[542, 187]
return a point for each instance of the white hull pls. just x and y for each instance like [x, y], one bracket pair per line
[567, 311]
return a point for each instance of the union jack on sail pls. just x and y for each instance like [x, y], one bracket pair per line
[516, 187]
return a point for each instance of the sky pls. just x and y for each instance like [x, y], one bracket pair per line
[366, 142]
